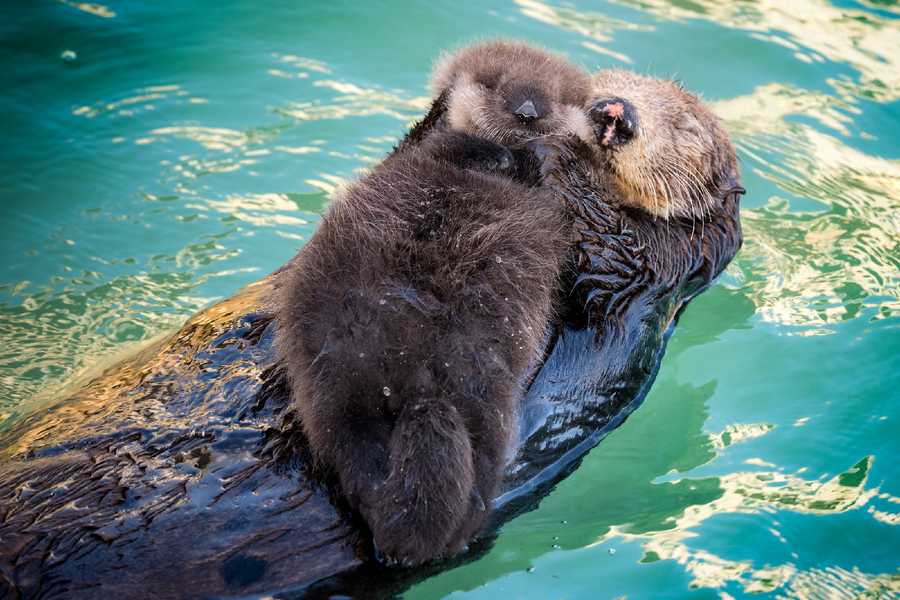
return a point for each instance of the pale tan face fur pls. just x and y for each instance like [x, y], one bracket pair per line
[680, 160]
[487, 82]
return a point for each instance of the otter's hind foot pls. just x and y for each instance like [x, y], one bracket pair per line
[427, 493]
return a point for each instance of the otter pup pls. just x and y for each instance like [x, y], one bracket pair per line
[409, 320]
[405, 328]
[511, 92]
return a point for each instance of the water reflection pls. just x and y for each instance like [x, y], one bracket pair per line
[595, 25]
[815, 30]
[300, 66]
[91, 8]
[141, 100]
[355, 101]
[261, 210]
[837, 259]
[769, 492]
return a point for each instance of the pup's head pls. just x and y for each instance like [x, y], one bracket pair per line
[511, 92]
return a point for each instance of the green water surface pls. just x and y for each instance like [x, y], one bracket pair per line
[157, 156]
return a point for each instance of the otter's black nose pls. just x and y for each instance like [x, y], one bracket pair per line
[527, 112]
[615, 121]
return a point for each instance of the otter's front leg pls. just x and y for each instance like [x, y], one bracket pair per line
[610, 260]
[470, 152]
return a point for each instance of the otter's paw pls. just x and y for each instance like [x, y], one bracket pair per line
[550, 152]
[404, 534]
[558, 157]
[397, 546]
[612, 269]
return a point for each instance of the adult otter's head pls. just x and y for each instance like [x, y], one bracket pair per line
[666, 151]
[511, 92]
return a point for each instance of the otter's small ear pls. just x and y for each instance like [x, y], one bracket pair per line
[730, 186]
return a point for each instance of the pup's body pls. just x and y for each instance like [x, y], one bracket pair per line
[406, 328]
[411, 317]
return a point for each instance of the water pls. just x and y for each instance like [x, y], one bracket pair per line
[158, 157]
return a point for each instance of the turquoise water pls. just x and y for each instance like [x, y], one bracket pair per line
[159, 157]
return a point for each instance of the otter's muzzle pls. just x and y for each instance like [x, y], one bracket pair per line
[615, 121]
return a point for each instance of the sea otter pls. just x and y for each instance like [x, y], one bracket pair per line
[654, 198]
[422, 299]
[203, 478]
[656, 149]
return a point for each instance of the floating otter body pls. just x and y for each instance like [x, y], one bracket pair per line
[407, 355]
[421, 301]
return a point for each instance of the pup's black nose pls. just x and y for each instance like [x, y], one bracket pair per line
[615, 121]
[527, 112]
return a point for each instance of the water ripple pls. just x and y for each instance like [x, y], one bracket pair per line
[765, 492]
[815, 30]
[827, 262]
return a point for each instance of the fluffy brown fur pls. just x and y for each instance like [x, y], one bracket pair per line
[410, 320]
[665, 151]
[487, 83]
[406, 327]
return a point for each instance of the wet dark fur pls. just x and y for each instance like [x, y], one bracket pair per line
[406, 327]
